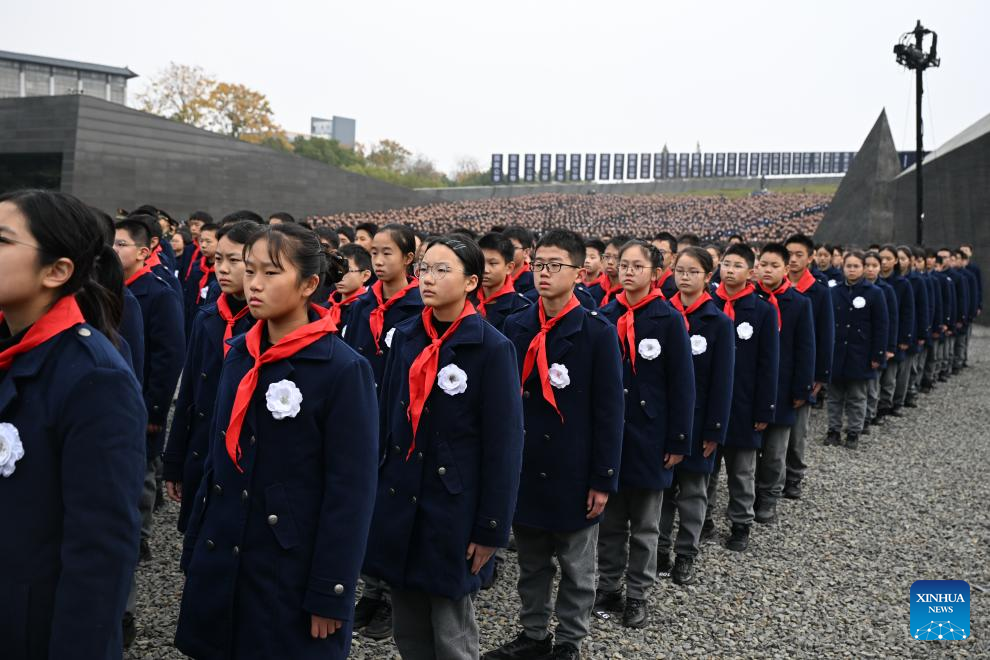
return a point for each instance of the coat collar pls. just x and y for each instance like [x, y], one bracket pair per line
[25, 366]
[470, 332]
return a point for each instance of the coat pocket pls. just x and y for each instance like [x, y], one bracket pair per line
[447, 470]
[279, 517]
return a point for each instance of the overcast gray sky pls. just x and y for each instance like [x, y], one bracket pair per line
[453, 79]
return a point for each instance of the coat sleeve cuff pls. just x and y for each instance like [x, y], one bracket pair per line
[605, 479]
[678, 443]
[330, 599]
[490, 532]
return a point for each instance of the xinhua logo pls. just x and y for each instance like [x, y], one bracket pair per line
[940, 610]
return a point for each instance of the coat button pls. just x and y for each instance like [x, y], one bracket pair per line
[218, 489]
[419, 456]
[84, 332]
[525, 394]
[611, 472]
[543, 475]
[273, 520]
[391, 491]
[625, 391]
[338, 589]
[772, 406]
[493, 524]
[201, 415]
[718, 425]
[396, 448]
[402, 404]
[244, 495]
[680, 436]
[236, 551]
[413, 499]
[442, 471]
[203, 375]
[426, 410]
[642, 403]
[195, 454]
[210, 544]
[252, 440]
[546, 436]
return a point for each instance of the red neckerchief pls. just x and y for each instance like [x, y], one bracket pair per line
[609, 292]
[204, 279]
[537, 351]
[144, 270]
[679, 305]
[730, 309]
[337, 307]
[154, 259]
[507, 287]
[286, 347]
[230, 319]
[772, 298]
[377, 318]
[663, 279]
[601, 280]
[423, 371]
[192, 259]
[805, 282]
[517, 274]
[64, 314]
[626, 326]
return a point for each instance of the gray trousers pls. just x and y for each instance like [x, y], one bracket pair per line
[627, 541]
[575, 552]
[930, 369]
[147, 503]
[770, 467]
[849, 399]
[740, 476]
[427, 627]
[689, 497]
[917, 370]
[374, 588]
[796, 443]
[961, 349]
[888, 383]
[872, 397]
[903, 377]
[947, 355]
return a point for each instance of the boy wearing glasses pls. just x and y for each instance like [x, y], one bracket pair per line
[351, 286]
[573, 418]
[610, 286]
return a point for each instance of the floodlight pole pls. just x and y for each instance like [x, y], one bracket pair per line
[919, 33]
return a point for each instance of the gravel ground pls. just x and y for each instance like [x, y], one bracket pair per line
[830, 579]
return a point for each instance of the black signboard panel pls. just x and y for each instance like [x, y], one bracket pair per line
[496, 168]
[529, 167]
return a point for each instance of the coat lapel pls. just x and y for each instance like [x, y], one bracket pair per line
[25, 366]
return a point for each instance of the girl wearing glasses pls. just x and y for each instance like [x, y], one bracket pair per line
[452, 439]
[72, 428]
[713, 353]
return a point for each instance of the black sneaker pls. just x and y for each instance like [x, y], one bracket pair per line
[792, 489]
[608, 601]
[877, 421]
[910, 403]
[833, 439]
[365, 610]
[523, 648]
[895, 412]
[145, 554]
[927, 387]
[866, 429]
[739, 539]
[708, 530]
[852, 441]
[381, 624]
[663, 564]
[565, 651]
[635, 614]
[943, 378]
[683, 572]
[766, 512]
[130, 630]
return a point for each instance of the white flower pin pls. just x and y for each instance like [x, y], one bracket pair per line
[698, 344]
[11, 449]
[859, 302]
[558, 375]
[832, 283]
[283, 399]
[649, 349]
[388, 337]
[452, 380]
[202, 292]
[744, 330]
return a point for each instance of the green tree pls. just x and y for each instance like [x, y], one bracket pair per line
[326, 151]
[175, 93]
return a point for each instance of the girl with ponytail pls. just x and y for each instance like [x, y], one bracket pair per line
[71, 432]
[279, 523]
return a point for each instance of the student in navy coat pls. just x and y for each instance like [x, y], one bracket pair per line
[667, 244]
[754, 391]
[280, 522]
[452, 439]
[658, 380]
[800, 249]
[922, 322]
[713, 349]
[860, 348]
[215, 325]
[893, 383]
[573, 414]
[595, 280]
[971, 305]
[496, 295]
[522, 246]
[351, 286]
[927, 267]
[72, 425]
[795, 375]
[871, 273]
[610, 286]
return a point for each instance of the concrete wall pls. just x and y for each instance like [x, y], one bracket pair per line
[432, 195]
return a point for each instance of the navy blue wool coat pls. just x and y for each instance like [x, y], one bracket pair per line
[71, 520]
[796, 369]
[357, 333]
[922, 311]
[660, 398]
[905, 313]
[861, 330]
[268, 547]
[502, 307]
[460, 483]
[562, 461]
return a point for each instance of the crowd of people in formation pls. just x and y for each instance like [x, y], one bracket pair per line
[367, 416]
[762, 216]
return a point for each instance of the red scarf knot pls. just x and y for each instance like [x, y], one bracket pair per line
[805, 282]
[679, 305]
[507, 288]
[772, 298]
[730, 308]
[337, 306]
[626, 326]
[536, 354]
[377, 318]
[223, 307]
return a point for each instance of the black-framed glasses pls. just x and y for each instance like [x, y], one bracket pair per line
[553, 267]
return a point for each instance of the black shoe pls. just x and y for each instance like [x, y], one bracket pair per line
[381, 624]
[130, 630]
[895, 412]
[683, 572]
[365, 610]
[910, 403]
[852, 441]
[833, 439]
[609, 601]
[145, 554]
[739, 539]
[635, 614]
[927, 387]
[956, 370]
[866, 430]
[792, 489]
[708, 530]
[766, 512]
[663, 564]
[523, 648]
[943, 378]
[876, 421]
[565, 651]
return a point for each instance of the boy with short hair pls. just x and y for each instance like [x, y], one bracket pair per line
[595, 279]
[609, 284]
[497, 295]
[200, 287]
[351, 285]
[522, 243]
[667, 244]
